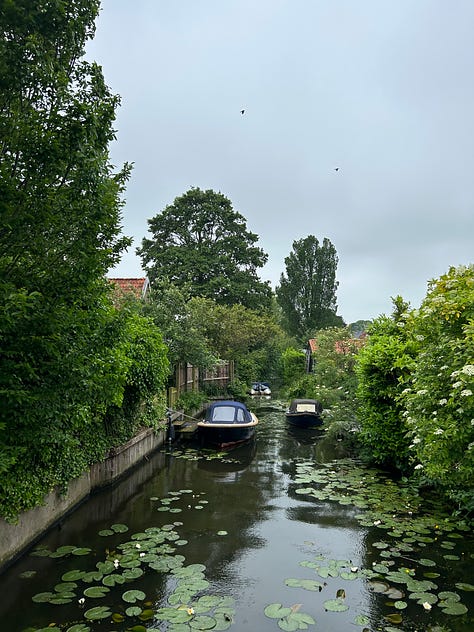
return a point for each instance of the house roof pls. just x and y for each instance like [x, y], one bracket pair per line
[312, 345]
[138, 287]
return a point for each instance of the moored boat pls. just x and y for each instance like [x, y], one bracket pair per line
[305, 413]
[260, 388]
[226, 424]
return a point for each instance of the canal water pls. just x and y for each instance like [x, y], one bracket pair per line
[283, 533]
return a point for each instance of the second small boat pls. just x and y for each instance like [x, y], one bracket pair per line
[305, 413]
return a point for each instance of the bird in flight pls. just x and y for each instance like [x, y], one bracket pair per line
[242, 111]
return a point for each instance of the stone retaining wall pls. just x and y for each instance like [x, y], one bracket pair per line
[31, 525]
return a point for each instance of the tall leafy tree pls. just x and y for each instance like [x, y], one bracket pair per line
[60, 213]
[200, 241]
[307, 292]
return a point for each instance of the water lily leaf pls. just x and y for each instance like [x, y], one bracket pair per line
[92, 576]
[431, 575]
[105, 567]
[307, 584]
[113, 580]
[137, 628]
[336, 605]
[106, 532]
[43, 597]
[425, 562]
[132, 573]
[446, 595]
[62, 551]
[172, 615]
[302, 618]
[131, 596]
[65, 587]
[464, 586]
[72, 576]
[362, 619]
[400, 605]
[78, 627]
[451, 557]
[423, 597]
[96, 591]
[97, 613]
[81, 551]
[289, 625]
[202, 622]
[276, 611]
[27, 574]
[394, 618]
[117, 617]
[146, 615]
[133, 611]
[119, 528]
[455, 609]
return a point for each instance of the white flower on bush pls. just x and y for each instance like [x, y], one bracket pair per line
[416, 440]
[419, 466]
[468, 369]
[457, 384]
[420, 337]
[454, 374]
[444, 367]
[443, 401]
[422, 391]
[438, 431]
[466, 392]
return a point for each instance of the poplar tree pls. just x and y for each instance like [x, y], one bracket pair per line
[307, 292]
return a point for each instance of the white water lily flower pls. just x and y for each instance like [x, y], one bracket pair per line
[116, 563]
[377, 522]
[138, 546]
[81, 601]
[190, 610]
[142, 554]
[426, 605]
[354, 569]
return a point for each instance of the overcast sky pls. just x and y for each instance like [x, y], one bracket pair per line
[382, 90]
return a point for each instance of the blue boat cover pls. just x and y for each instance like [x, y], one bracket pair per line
[228, 412]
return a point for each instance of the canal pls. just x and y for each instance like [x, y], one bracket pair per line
[283, 533]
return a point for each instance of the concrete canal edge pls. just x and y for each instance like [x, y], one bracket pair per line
[31, 525]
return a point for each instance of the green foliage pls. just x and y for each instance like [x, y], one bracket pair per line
[293, 365]
[201, 242]
[191, 402]
[439, 399]
[383, 366]
[68, 357]
[307, 293]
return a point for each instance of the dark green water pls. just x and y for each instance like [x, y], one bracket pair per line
[270, 529]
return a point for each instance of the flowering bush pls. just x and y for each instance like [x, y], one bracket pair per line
[439, 401]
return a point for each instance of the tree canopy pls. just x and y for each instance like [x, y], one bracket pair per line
[67, 354]
[202, 242]
[307, 293]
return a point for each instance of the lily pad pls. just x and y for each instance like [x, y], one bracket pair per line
[119, 528]
[133, 611]
[81, 551]
[276, 611]
[361, 619]
[464, 586]
[97, 613]
[336, 605]
[202, 622]
[131, 596]
[96, 592]
[72, 576]
[79, 627]
[455, 609]
[105, 532]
